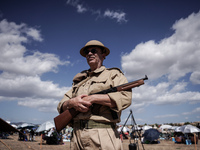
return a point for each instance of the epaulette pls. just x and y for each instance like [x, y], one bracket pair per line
[115, 68]
[80, 76]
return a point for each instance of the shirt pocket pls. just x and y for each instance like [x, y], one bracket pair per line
[99, 84]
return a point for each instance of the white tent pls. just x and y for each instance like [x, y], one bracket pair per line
[15, 126]
[178, 129]
[189, 129]
[146, 127]
[173, 127]
[25, 125]
[136, 128]
[45, 126]
[165, 126]
[125, 129]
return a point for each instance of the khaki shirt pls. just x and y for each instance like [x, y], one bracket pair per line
[101, 79]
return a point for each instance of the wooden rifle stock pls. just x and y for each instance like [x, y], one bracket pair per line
[62, 120]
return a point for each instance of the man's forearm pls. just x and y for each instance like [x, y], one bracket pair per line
[65, 105]
[102, 99]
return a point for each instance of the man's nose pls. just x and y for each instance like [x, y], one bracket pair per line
[90, 53]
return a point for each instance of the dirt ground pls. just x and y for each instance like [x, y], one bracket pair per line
[12, 143]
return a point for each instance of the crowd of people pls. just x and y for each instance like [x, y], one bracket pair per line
[67, 134]
[184, 138]
[177, 137]
[3, 135]
[26, 134]
[52, 137]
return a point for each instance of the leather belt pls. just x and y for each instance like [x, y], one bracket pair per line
[90, 124]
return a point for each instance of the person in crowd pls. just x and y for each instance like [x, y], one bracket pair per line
[31, 135]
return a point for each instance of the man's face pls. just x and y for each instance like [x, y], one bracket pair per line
[95, 56]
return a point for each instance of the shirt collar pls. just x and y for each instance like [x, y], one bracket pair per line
[98, 70]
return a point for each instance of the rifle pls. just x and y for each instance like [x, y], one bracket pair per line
[62, 120]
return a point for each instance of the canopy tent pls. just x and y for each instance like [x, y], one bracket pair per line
[173, 127]
[165, 126]
[45, 126]
[178, 129]
[13, 125]
[136, 128]
[151, 134]
[189, 129]
[6, 127]
[26, 125]
[125, 129]
[146, 127]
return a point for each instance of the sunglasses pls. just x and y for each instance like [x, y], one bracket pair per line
[93, 51]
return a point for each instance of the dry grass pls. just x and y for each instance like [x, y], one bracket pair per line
[12, 143]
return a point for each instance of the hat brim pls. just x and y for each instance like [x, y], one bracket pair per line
[107, 51]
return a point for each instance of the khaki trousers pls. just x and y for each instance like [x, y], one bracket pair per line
[96, 139]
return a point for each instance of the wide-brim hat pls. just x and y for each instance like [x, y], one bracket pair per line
[94, 43]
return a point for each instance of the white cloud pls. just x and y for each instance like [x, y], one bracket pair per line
[20, 69]
[163, 93]
[31, 65]
[73, 2]
[76, 3]
[172, 57]
[32, 92]
[167, 116]
[195, 111]
[44, 105]
[81, 9]
[29, 86]
[13, 58]
[166, 63]
[195, 77]
[119, 16]
[35, 34]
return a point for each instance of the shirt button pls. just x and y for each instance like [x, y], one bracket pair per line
[88, 144]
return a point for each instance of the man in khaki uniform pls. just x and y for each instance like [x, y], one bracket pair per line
[96, 131]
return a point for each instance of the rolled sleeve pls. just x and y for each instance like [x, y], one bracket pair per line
[66, 97]
[123, 98]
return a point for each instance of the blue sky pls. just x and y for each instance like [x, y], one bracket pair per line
[40, 43]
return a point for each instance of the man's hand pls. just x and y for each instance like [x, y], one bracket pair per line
[83, 102]
[77, 103]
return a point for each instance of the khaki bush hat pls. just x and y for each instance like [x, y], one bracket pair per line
[94, 43]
